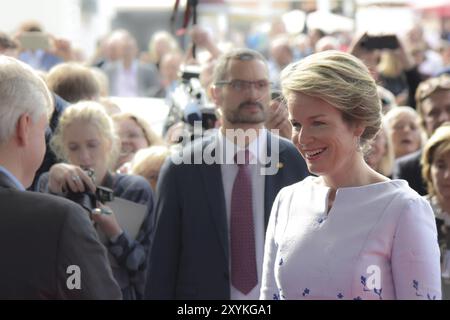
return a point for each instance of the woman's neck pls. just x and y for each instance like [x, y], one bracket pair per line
[358, 173]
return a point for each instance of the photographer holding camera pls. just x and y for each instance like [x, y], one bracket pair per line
[368, 49]
[85, 138]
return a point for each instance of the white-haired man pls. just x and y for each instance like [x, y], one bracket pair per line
[49, 247]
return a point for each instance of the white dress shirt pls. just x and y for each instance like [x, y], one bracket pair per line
[127, 80]
[229, 169]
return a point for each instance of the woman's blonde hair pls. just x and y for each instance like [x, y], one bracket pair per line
[386, 165]
[150, 135]
[341, 80]
[88, 112]
[145, 159]
[436, 146]
[390, 65]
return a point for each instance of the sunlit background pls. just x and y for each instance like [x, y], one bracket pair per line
[83, 22]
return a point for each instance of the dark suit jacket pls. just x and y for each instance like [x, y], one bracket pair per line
[40, 237]
[130, 254]
[409, 168]
[189, 257]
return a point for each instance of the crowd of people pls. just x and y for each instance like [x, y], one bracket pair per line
[349, 208]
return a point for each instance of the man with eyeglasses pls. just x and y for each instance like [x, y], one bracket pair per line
[433, 106]
[211, 216]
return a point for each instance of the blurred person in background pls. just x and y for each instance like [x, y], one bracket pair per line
[53, 51]
[135, 133]
[392, 77]
[169, 70]
[433, 106]
[280, 55]
[403, 127]
[129, 77]
[327, 43]
[380, 157]
[371, 58]
[161, 43]
[8, 46]
[73, 82]
[436, 173]
[147, 163]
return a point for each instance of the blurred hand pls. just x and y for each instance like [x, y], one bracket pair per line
[106, 222]
[369, 57]
[278, 118]
[201, 38]
[62, 48]
[64, 177]
[125, 168]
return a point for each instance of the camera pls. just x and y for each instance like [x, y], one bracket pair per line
[380, 42]
[189, 101]
[88, 199]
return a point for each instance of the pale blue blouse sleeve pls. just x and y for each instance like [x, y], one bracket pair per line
[415, 253]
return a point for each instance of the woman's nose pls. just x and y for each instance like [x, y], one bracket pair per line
[304, 138]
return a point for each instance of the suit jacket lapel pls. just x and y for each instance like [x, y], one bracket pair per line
[212, 180]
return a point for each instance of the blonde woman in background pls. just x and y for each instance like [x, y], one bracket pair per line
[135, 133]
[381, 154]
[403, 128]
[148, 162]
[161, 43]
[436, 173]
[86, 139]
[392, 76]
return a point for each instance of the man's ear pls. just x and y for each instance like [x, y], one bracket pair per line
[23, 128]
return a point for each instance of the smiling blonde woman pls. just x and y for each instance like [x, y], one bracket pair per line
[349, 232]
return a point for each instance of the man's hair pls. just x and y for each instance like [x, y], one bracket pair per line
[21, 91]
[243, 54]
[426, 89]
[73, 82]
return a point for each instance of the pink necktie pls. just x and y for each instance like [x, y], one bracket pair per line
[243, 258]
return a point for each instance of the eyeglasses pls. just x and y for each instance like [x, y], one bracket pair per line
[428, 87]
[243, 85]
